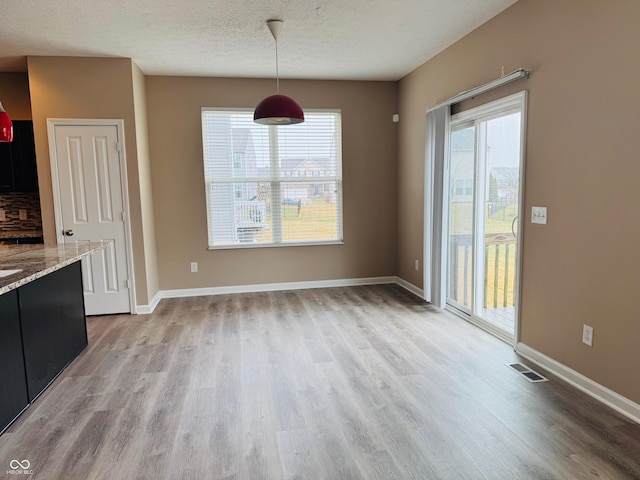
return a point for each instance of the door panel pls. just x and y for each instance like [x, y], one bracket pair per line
[109, 267]
[92, 209]
[77, 191]
[461, 216]
[485, 162]
[501, 210]
[103, 172]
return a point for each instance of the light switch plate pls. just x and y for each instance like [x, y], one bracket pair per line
[587, 335]
[539, 215]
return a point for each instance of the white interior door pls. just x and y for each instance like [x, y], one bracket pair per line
[90, 206]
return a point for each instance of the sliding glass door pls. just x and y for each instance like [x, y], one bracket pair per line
[483, 204]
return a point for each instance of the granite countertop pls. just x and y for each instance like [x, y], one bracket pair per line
[35, 261]
[20, 233]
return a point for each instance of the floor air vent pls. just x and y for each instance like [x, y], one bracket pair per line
[527, 372]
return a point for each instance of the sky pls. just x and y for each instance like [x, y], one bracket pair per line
[503, 136]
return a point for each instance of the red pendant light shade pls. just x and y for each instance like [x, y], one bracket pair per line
[6, 127]
[278, 110]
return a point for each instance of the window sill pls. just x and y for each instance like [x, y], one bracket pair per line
[238, 246]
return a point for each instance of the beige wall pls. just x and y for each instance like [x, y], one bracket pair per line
[581, 162]
[144, 173]
[14, 95]
[75, 87]
[369, 171]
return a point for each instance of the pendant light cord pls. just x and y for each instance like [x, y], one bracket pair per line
[277, 70]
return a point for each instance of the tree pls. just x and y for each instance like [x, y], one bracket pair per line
[493, 188]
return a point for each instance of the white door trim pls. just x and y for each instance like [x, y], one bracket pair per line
[57, 204]
[486, 111]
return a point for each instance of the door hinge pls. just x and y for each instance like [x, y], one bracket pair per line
[118, 146]
[122, 216]
[127, 283]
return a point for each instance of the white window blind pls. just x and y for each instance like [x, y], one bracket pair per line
[272, 185]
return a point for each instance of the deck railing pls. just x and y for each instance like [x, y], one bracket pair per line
[251, 217]
[499, 269]
[251, 213]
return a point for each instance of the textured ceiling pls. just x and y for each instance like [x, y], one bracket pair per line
[321, 39]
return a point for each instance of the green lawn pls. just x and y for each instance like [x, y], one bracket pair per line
[461, 215]
[317, 221]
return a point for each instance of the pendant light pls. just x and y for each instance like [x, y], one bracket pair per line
[6, 127]
[278, 109]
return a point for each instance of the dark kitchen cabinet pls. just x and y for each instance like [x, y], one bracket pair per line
[6, 168]
[18, 170]
[13, 394]
[54, 328]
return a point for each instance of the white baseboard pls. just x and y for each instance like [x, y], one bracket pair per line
[272, 287]
[410, 287]
[142, 309]
[601, 393]
[262, 287]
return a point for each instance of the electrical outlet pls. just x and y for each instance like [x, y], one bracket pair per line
[22, 213]
[587, 335]
[417, 265]
[3, 217]
[194, 267]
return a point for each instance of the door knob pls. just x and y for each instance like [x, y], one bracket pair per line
[68, 233]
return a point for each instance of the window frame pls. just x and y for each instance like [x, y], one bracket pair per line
[279, 181]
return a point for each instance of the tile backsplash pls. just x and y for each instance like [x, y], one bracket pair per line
[20, 211]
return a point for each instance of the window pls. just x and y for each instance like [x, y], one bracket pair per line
[263, 204]
[468, 186]
[237, 160]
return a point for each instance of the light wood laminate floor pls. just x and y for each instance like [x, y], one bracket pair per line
[343, 383]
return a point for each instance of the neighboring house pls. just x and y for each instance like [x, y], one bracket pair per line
[305, 191]
[244, 163]
[507, 180]
[462, 166]
[233, 154]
